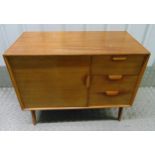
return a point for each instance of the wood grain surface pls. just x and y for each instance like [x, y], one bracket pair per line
[75, 43]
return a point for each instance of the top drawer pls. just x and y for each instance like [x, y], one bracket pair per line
[126, 64]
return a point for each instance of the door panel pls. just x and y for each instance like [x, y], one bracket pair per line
[53, 81]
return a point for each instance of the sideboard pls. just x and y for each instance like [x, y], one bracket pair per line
[76, 70]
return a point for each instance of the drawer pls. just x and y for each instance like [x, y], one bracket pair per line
[127, 64]
[109, 99]
[101, 83]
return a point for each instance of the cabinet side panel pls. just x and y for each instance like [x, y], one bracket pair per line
[14, 83]
[139, 78]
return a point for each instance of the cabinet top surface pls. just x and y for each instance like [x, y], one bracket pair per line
[75, 43]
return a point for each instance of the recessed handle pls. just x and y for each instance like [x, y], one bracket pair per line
[112, 93]
[120, 58]
[87, 81]
[115, 77]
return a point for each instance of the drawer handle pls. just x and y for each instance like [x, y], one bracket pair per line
[115, 77]
[112, 93]
[119, 58]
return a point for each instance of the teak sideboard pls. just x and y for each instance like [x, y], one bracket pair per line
[76, 70]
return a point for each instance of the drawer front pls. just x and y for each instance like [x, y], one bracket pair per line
[109, 98]
[53, 81]
[117, 64]
[101, 83]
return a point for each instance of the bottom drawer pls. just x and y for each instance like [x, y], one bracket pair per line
[111, 99]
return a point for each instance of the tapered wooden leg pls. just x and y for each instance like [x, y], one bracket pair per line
[120, 111]
[33, 117]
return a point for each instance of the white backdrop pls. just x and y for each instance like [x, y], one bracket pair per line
[144, 33]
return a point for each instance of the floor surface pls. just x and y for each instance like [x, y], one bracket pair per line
[141, 116]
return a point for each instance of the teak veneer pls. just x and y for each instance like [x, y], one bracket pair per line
[76, 70]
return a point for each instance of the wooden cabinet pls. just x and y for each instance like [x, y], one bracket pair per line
[75, 70]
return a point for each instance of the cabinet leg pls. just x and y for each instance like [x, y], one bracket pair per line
[120, 111]
[33, 117]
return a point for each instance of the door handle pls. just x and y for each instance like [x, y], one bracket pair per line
[87, 81]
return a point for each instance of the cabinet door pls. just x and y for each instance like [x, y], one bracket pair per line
[51, 81]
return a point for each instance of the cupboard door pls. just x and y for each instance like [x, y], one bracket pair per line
[51, 81]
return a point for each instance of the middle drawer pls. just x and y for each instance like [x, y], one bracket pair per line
[100, 83]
